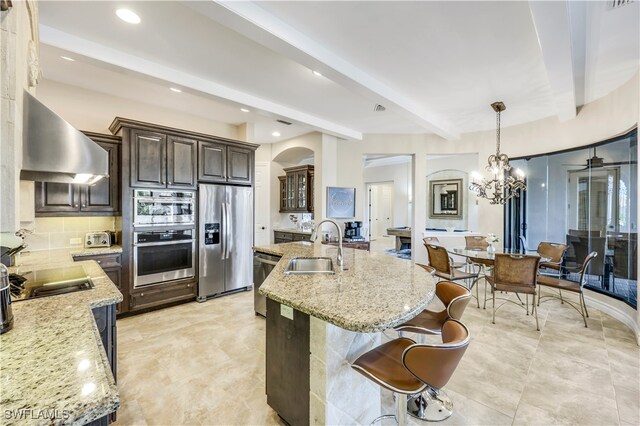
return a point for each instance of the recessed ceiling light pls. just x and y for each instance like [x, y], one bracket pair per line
[175, 89]
[317, 73]
[244, 110]
[276, 134]
[128, 16]
[66, 58]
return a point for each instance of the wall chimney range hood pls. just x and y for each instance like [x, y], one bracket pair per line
[54, 151]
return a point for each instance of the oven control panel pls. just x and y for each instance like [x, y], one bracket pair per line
[211, 233]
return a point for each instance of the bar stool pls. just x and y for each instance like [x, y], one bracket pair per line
[455, 299]
[407, 368]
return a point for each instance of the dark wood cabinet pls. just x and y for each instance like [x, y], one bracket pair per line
[239, 165]
[148, 159]
[296, 190]
[162, 294]
[287, 237]
[225, 163]
[100, 199]
[181, 163]
[105, 318]
[212, 162]
[111, 264]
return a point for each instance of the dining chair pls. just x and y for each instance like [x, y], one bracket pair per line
[407, 369]
[476, 242]
[514, 273]
[442, 266]
[436, 241]
[559, 284]
[555, 253]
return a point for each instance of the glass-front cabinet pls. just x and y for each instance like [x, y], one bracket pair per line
[296, 189]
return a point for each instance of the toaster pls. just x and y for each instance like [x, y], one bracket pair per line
[98, 239]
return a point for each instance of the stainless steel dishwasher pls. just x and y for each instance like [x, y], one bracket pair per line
[263, 264]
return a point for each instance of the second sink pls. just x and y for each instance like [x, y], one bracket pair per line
[310, 265]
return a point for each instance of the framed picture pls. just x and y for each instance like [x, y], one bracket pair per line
[341, 203]
[446, 199]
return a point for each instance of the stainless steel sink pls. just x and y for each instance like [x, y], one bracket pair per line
[309, 265]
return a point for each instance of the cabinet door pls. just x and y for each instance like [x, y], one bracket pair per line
[104, 196]
[282, 180]
[181, 163]
[53, 197]
[148, 159]
[302, 186]
[311, 192]
[212, 162]
[291, 192]
[239, 165]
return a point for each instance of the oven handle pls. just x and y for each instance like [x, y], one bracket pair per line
[165, 243]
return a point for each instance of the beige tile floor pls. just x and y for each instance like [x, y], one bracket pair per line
[203, 364]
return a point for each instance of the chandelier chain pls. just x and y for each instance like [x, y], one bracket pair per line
[498, 133]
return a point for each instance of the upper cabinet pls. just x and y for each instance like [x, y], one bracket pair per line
[162, 161]
[297, 190]
[225, 163]
[100, 199]
[164, 157]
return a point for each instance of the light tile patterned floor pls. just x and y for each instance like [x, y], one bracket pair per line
[204, 364]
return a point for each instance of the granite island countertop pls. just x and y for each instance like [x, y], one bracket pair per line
[52, 362]
[373, 293]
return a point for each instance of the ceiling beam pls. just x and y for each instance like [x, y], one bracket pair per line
[108, 55]
[553, 27]
[257, 24]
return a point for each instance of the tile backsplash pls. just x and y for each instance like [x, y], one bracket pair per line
[56, 232]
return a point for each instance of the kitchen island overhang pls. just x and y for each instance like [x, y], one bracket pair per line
[335, 318]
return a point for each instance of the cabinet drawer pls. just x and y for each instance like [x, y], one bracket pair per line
[104, 260]
[301, 237]
[282, 236]
[162, 294]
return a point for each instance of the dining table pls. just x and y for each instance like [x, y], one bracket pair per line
[488, 257]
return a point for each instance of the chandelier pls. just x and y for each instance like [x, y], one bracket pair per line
[504, 185]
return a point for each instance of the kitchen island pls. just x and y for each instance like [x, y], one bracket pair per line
[318, 324]
[53, 366]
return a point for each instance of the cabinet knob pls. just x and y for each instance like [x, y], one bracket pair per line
[99, 261]
[169, 183]
[84, 205]
[141, 294]
[189, 285]
[75, 205]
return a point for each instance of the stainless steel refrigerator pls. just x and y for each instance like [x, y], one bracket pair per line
[226, 239]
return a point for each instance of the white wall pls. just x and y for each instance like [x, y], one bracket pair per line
[400, 175]
[94, 111]
[458, 166]
[18, 27]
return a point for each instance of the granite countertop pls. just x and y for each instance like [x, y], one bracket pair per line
[373, 293]
[52, 362]
[62, 255]
[292, 231]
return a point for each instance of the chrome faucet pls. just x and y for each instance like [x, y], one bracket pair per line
[314, 236]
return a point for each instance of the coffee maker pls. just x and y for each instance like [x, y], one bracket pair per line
[352, 231]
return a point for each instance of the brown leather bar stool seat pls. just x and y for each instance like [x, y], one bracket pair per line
[560, 284]
[408, 368]
[455, 299]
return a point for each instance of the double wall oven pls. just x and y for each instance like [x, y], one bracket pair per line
[164, 237]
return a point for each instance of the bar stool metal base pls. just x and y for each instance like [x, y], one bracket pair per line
[430, 405]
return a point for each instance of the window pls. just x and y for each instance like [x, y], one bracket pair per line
[586, 198]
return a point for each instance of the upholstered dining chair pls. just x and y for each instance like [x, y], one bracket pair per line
[555, 253]
[441, 265]
[476, 242]
[436, 241]
[560, 284]
[514, 273]
[408, 368]
[455, 299]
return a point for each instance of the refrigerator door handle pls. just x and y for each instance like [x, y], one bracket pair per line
[224, 231]
[229, 224]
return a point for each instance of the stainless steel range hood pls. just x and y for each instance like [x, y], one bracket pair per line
[54, 151]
